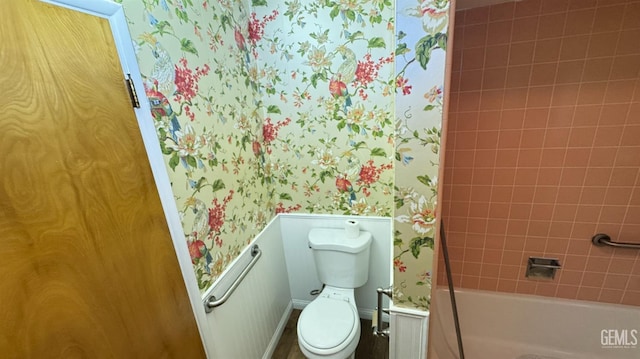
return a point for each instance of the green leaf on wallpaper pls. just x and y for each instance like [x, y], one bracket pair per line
[314, 79]
[259, 2]
[402, 49]
[420, 242]
[165, 150]
[398, 156]
[425, 180]
[342, 124]
[428, 108]
[359, 145]
[355, 128]
[187, 45]
[423, 50]
[174, 160]
[334, 12]
[397, 237]
[399, 202]
[273, 109]
[182, 15]
[350, 14]
[376, 42]
[378, 152]
[356, 35]
[162, 26]
[376, 19]
[324, 175]
[191, 161]
[217, 185]
[286, 196]
[224, 21]
[441, 39]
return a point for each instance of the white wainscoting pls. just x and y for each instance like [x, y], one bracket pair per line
[300, 263]
[251, 322]
[409, 329]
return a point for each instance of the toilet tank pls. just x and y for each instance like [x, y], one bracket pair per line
[340, 261]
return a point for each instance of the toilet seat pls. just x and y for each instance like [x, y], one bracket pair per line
[328, 325]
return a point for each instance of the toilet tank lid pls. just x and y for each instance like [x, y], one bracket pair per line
[336, 239]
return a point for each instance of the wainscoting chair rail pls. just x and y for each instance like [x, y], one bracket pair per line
[602, 239]
[213, 302]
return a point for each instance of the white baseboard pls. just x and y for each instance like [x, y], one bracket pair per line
[278, 333]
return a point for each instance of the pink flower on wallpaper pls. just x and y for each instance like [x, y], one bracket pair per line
[239, 39]
[397, 263]
[281, 209]
[270, 130]
[256, 27]
[343, 184]
[367, 70]
[401, 83]
[196, 249]
[257, 149]
[217, 215]
[435, 93]
[370, 174]
[186, 80]
[337, 88]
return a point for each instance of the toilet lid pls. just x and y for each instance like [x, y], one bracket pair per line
[326, 323]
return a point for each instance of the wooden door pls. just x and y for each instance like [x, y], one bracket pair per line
[87, 266]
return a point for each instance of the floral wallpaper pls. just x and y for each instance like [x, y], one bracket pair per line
[421, 42]
[201, 78]
[328, 86]
[268, 107]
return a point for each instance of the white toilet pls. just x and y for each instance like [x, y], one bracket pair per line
[329, 326]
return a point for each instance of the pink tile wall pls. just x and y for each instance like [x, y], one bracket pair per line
[543, 147]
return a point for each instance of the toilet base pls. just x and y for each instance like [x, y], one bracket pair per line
[351, 348]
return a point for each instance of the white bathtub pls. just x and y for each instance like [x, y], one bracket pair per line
[511, 326]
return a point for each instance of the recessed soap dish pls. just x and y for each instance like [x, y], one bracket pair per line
[542, 268]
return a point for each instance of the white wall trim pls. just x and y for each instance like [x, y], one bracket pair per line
[122, 38]
[409, 330]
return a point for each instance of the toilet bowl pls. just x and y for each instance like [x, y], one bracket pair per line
[329, 327]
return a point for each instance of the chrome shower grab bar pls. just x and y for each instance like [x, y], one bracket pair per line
[602, 239]
[213, 302]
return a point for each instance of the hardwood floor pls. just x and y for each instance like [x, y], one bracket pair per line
[369, 347]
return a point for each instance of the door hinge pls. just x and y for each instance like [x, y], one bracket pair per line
[132, 92]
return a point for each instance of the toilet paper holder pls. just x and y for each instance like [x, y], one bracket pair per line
[377, 315]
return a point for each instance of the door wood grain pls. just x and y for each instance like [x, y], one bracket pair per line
[87, 266]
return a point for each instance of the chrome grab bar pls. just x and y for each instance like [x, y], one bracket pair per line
[602, 239]
[213, 302]
[379, 310]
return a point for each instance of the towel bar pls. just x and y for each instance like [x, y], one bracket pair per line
[213, 302]
[602, 239]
